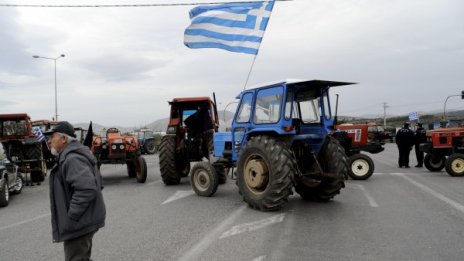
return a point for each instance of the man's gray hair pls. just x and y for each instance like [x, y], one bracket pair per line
[69, 139]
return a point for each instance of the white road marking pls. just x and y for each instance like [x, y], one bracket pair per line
[178, 195]
[211, 237]
[371, 200]
[259, 258]
[397, 174]
[24, 222]
[248, 227]
[438, 195]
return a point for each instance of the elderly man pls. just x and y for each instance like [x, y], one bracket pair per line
[76, 201]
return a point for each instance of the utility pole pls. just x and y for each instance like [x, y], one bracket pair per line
[385, 106]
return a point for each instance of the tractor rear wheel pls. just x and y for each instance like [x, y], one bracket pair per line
[149, 147]
[434, 162]
[204, 179]
[455, 165]
[167, 160]
[333, 160]
[141, 170]
[264, 173]
[361, 167]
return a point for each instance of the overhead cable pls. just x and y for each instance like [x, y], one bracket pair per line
[132, 5]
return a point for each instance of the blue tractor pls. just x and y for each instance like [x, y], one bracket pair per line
[280, 139]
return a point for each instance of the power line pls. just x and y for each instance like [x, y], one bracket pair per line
[134, 5]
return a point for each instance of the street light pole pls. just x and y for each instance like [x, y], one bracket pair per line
[444, 107]
[56, 96]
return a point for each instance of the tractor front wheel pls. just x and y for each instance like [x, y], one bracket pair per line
[141, 169]
[455, 165]
[264, 171]
[204, 179]
[361, 167]
[149, 147]
[434, 163]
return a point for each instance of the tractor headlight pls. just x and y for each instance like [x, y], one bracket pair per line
[113, 147]
[104, 147]
[121, 147]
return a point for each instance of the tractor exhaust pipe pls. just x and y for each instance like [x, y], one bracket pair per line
[215, 112]
[336, 111]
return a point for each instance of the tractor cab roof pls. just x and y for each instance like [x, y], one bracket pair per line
[190, 99]
[300, 84]
[14, 116]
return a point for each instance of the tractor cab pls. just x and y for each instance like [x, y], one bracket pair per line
[299, 111]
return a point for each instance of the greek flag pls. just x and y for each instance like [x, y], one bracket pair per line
[414, 116]
[38, 134]
[235, 27]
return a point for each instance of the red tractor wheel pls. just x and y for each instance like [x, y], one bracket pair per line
[204, 179]
[360, 167]
[455, 165]
[141, 170]
[434, 162]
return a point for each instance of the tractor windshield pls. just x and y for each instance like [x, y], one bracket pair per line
[13, 127]
[268, 104]
[306, 106]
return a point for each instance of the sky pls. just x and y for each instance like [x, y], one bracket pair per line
[122, 65]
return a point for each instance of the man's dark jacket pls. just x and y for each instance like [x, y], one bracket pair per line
[76, 201]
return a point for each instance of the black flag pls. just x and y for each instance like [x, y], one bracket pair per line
[89, 137]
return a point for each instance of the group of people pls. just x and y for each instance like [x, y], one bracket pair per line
[405, 140]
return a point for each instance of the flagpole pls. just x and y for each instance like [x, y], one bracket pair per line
[259, 46]
[251, 68]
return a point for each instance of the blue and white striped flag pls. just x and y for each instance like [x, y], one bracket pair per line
[235, 27]
[38, 134]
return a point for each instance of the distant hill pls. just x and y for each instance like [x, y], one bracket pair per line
[158, 125]
[225, 119]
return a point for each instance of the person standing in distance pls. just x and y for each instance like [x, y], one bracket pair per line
[419, 137]
[76, 201]
[404, 141]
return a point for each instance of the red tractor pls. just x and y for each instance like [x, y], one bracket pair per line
[445, 149]
[189, 138]
[115, 148]
[357, 138]
[22, 146]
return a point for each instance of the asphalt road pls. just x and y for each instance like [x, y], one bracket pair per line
[398, 214]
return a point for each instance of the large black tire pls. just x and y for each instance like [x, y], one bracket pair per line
[434, 163]
[265, 169]
[360, 167]
[167, 160]
[141, 170]
[333, 160]
[455, 165]
[204, 179]
[149, 147]
[4, 193]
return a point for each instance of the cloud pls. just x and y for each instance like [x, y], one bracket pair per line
[120, 67]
